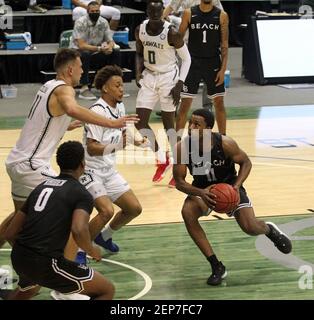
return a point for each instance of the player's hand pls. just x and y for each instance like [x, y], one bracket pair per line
[96, 253]
[121, 122]
[144, 143]
[139, 76]
[220, 78]
[75, 124]
[176, 92]
[208, 197]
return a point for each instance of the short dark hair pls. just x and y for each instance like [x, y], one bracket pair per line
[70, 155]
[64, 56]
[93, 3]
[207, 115]
[105, 73]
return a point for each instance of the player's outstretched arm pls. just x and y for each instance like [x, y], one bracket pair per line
[186, 18]
[81, 235]
[15, 226]
[65, 96]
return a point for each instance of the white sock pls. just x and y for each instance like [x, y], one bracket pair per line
[161, 156]
[107, 232]
[32, 2]
[80, 250]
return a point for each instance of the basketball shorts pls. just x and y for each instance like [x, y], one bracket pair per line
[58, 274]
[24, 179]
[156, 87]
[206, 70]
[245, 202]
[98, 183]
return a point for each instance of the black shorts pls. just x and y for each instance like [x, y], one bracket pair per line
[58, 274]
[206, 70]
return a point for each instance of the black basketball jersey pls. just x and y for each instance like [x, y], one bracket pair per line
[219, 169]
[49, 210]
[204, 33]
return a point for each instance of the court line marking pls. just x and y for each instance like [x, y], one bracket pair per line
[147, 279]
[266, 248]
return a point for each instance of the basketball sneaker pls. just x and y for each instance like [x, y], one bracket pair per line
[56, 295]
[172, 183]
[217, 276]
[280, 240]
[162, 168]
[81, 258]
[108, 244]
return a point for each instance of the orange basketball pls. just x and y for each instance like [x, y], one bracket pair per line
[227, 198]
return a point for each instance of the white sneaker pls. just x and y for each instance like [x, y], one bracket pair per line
[4, 272]
[72, 296]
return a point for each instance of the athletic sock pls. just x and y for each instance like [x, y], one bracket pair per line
[107, 232]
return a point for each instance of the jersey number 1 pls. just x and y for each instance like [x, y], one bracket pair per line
[152, 57]
[204, 36]
[43, 199]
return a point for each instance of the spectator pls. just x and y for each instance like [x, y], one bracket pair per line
[36, 8]
[93, 38]
[108, 12]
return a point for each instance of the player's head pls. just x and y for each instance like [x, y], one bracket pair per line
[93, 11]
[200, 120]
[67, 62]
[155, 10]
[109, 81]
[70, 157]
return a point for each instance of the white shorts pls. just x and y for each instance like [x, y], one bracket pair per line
[107, 12]
[24, 179]
[100, 184]
[156, 87]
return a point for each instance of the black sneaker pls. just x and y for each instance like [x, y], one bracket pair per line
[217, 276]
[280, 240]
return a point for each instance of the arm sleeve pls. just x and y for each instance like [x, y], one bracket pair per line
[184, 54]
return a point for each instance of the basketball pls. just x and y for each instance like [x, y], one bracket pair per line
[227, 197]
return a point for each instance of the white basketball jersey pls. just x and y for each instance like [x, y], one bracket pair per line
[159, 56]
[41, 132]
[103, 135]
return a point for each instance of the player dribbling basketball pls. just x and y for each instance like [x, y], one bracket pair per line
[218, 165]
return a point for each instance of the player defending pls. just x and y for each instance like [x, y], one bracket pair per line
[224, 153]
[158, 77]
[28, 164]
[40, 231]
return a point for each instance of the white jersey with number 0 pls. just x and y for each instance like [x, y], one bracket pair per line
[42, 132]
[159, 56]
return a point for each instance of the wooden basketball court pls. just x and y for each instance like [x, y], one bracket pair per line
[281, 150]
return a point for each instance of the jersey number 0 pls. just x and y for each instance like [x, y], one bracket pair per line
[152, 57]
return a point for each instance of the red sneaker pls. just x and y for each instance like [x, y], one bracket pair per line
[162, 168]
[172, 183]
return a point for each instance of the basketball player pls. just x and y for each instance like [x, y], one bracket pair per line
[40, 231]
[28, 164]
[101, 178]
[219, 166]
[158, 77]
[208, 46]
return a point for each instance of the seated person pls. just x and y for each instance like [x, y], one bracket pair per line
[93, 38]
[108, 12]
